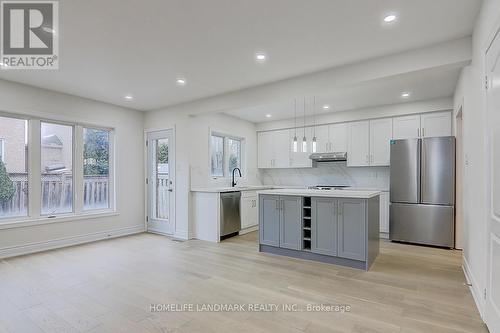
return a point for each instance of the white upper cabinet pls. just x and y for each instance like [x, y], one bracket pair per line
[300, 159]
[380, 142]
[322, 139]
[358, 144]
[265, 150]
[281, 149]
[422, 126]
[338, 137]
[407, 127]
[273, 149]
[367, 143]
[436, 124]
[331, 138]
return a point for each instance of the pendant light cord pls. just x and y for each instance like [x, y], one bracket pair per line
[304, 117]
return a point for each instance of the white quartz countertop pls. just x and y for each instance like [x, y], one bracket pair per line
[231, 189]
[323, 193]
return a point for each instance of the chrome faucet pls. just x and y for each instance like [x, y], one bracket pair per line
[233, 183]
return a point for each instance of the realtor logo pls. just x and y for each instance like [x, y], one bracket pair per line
[29, 31]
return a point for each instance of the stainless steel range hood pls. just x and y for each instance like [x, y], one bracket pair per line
[329, 157]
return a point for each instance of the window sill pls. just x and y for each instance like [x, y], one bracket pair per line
[28, 222]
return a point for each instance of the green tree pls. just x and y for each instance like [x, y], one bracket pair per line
[7, 189]
[162, 153]
[96, 152]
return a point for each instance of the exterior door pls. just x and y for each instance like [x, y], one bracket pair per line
[492, 308]
[160, 182]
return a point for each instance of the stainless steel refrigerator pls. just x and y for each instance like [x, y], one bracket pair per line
[423, 191]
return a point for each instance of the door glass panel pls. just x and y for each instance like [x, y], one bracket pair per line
[161, 179]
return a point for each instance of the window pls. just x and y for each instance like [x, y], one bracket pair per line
[226, 155]
[95, 169]
[217, 144]
[56, 168]
[13, 167]
[234, 150]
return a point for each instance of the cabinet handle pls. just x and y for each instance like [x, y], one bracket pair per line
[277, 204]
[423, 132]
[418, 132]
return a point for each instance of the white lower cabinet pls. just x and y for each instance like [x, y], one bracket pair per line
[248, 209]
[384, 212]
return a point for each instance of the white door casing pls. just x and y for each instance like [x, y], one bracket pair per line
[492, 305]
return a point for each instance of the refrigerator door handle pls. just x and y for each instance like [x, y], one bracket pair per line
[423, 170]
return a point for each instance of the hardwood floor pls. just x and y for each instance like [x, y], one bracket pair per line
[109, 286]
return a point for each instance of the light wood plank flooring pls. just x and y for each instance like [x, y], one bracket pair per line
[109, 286]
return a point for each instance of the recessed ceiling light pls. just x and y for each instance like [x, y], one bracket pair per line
[129, 97]
[405, 94]
[260, 57]
[326, 107]
[390, 18]
[181, 81]
[268, 115]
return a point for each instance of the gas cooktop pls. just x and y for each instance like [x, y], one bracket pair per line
[329, 187]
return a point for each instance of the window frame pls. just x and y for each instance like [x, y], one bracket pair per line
[2, 150]
[111, 172]
[225, 168]
[34, 215]
[73, 160]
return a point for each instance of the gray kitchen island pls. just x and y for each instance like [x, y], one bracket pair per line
[337, 226]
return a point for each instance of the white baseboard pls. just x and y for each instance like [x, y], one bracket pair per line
[68, 241]
[250, 229]
[474, 287]
[181, 234]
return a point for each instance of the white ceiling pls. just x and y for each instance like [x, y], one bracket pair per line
[110, 48]
[423, 85]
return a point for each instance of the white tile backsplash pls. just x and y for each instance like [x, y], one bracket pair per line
[335, 173]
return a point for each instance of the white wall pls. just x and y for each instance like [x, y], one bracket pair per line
[192, 153]
[129, 155]
[470, 94]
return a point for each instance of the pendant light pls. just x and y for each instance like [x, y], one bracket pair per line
[295, 141]
[304, 139]
[314, 143]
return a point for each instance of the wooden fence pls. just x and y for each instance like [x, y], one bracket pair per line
[57, 194]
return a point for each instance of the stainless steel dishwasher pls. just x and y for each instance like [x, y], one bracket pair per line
[230, 219]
